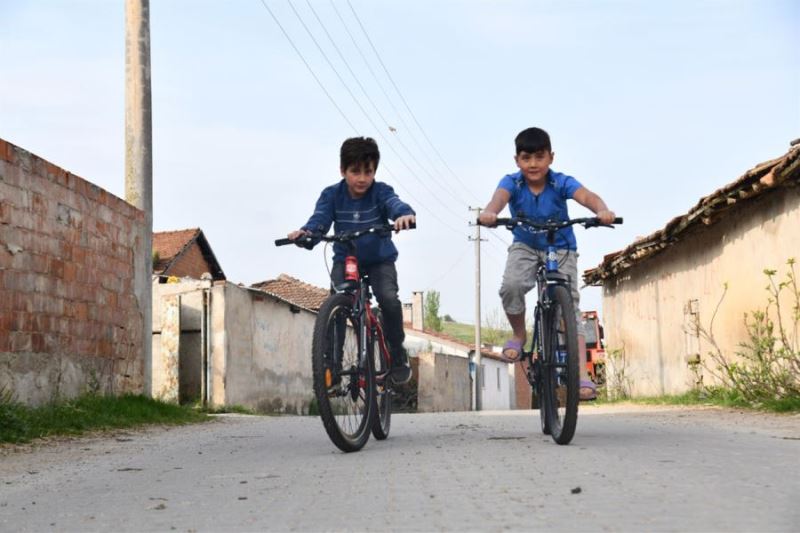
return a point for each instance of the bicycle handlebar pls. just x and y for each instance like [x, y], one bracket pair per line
[589, 222]
[308, 240]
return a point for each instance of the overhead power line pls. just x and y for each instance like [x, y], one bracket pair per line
[367, 115]
[386, 122]
[342, 113]
[402, 98]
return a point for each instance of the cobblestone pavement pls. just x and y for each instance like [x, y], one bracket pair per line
[628, 469]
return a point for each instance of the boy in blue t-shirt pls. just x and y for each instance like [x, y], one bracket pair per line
[539, 193]
[359, 202]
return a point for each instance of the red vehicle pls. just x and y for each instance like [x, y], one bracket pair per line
[595, 350]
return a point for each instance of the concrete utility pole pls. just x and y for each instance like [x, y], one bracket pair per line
[139, 160]
[477, 358]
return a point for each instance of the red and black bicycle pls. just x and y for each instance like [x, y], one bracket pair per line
[350, 360]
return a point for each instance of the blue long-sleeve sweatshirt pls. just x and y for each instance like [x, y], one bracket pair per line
[379, 205]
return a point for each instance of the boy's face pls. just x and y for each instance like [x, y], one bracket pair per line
[359, 178]
[534, 166]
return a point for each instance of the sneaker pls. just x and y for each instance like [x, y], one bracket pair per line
[401, 369]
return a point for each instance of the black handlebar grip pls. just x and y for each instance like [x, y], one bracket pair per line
[618, 220]
[283, 242]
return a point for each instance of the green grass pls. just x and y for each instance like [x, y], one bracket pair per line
[227, 409]
[718, 397]
[466, 332]
[20, 423]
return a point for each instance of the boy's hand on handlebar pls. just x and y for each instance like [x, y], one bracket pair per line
[606, 216]
[487, 218]
[404, 222]
[294, 235]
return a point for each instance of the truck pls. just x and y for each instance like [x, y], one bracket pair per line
[595, 348]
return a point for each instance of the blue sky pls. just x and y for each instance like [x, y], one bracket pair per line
[650, 104]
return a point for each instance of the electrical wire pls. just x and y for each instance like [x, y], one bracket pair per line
[402, 98]
[407, 128]
[345, 117]
[364, 111]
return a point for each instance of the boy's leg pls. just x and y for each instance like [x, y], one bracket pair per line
[518, 279]
[569, 266]
[383, 280]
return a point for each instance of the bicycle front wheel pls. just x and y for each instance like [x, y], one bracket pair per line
[344, 381]
[560, 366]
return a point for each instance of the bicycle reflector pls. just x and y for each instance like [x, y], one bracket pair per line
[350, 268]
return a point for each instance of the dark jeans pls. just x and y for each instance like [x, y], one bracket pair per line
[383, 280]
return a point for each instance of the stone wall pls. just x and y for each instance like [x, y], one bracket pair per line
[69, 317]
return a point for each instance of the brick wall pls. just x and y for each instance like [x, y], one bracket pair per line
[69, 318]
[190, 264]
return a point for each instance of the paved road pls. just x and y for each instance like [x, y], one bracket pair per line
[638, 469]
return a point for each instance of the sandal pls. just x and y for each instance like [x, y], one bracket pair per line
[592, 394]
[514, 345]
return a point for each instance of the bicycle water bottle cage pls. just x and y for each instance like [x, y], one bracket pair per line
[350, 268]
[346, 286]
[557, 277]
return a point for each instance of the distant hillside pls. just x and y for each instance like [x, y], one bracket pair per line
[466, 333]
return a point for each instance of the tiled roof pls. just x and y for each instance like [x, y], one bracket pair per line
[764, 178]
[169, 245]
[294, 291]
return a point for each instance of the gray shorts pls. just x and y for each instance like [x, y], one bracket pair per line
[520, 277]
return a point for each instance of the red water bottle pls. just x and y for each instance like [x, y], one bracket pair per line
[351, 268]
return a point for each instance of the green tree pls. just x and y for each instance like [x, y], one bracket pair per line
[432, 319]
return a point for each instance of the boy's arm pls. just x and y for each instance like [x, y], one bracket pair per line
[321, 220]
[396, 209]
[591, 201]
[500, 198]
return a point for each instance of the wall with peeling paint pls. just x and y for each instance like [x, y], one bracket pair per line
[259, 349]
[268, 352]
[649, 310]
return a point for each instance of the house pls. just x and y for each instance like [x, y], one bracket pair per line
[446, 373]
[222, 344]
[184, 253]
[704, 268]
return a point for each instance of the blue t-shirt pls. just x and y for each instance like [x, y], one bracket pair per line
[378, 205]
[550, 204]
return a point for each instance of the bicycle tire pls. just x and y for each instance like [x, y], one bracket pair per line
[383, 391]
[543, 418]
[537, 386]
[343, 386]
[561, 388]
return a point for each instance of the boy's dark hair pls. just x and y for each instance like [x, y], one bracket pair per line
[358, 151]
[533, 140]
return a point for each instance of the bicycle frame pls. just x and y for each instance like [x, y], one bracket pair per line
[547, 275]
[357, 287]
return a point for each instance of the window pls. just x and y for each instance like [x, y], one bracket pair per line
[498, 379]
[483, 376]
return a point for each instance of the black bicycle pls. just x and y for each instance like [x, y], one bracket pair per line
[553, 362]
[350, 360]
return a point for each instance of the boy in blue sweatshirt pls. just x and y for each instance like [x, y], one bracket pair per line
[359, 202]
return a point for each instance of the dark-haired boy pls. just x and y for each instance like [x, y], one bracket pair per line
[540, 193]
[358, 202]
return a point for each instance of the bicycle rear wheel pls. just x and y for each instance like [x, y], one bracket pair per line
[560, 370]
[383, 397]
[383, 388]
[344, 383]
